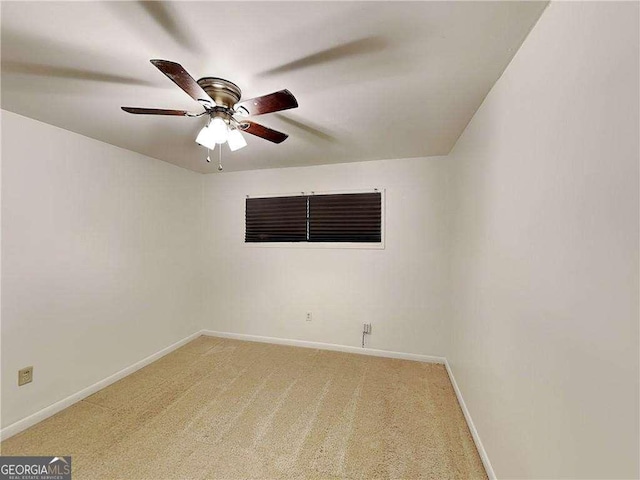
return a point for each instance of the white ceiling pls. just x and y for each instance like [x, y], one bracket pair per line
[373, 80]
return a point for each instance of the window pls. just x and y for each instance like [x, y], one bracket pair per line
[326, 218]
[277, 219]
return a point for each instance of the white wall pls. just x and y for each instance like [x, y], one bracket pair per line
[516, 256]
[545, 256]
[402, 290]
[99, 260]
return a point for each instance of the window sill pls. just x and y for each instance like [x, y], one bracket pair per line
[327, 245]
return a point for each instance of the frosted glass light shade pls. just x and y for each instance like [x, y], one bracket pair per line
[236, 140]
[205, 138]
[219, 130]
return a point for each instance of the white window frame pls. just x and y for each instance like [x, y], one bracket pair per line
[325, 245]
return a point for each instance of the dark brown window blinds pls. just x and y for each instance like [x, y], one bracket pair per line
[277, 219]
[349, 217]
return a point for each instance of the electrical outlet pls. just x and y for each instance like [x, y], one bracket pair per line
[25, 376]
[308, 316]
[366, 330]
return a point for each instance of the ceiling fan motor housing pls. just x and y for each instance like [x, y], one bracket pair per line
[225, 93]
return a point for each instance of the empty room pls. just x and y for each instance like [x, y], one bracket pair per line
[320, 240]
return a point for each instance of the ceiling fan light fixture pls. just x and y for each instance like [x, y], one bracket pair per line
[236, 140]
[221, 100]
[219, 130]
[206, 138]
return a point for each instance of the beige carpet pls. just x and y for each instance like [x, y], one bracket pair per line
[219, 408]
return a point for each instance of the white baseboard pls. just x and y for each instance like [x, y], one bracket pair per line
[326, 346]
[472, 428]
[46, 412]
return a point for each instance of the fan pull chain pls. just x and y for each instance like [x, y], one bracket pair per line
[208, 157]
[220, 159]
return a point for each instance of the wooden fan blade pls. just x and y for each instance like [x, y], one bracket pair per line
[155, 111]
[274, 102]
[178, 75]
[263, 132]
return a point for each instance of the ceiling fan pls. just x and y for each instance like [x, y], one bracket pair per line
[221, 101]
